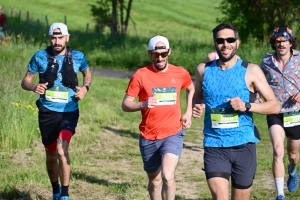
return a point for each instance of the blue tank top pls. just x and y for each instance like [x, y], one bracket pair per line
[218, 86]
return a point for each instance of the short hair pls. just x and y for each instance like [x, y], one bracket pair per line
[225, 26]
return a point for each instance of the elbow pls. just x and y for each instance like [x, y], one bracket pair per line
[124, 108]
[276, 108]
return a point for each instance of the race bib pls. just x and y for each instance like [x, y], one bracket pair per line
[165, 96]
[224, 118]
[291, 119]
[57, 94]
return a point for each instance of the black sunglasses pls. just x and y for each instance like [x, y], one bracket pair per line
[155, 55]
[228, 40]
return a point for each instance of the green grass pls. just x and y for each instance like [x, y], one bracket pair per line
[104, 152]
[187, 24]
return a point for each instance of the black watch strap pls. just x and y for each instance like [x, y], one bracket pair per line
[248, 106]
[87, 87]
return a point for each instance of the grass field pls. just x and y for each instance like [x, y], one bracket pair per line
[105, 158]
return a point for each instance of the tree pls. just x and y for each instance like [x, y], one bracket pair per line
[106, 15]
[258, 18]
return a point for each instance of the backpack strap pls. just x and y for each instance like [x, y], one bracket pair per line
[245, 63]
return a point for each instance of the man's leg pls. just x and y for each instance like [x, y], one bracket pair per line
[169, 163]
[219, 188]
[52, 166]
[241, 194]
[64, 160]
[277, 136]
[155, 185]
[293, 155]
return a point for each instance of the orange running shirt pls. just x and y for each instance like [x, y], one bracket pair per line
[162, 120]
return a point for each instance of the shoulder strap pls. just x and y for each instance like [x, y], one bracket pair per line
[245, 63]
[208, 63]
[68, 56]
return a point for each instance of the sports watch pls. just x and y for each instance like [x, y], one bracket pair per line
[87, 87]
[248, 106]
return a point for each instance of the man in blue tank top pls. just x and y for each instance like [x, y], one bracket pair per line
[224, 88]
[58, 102]
[282, 71]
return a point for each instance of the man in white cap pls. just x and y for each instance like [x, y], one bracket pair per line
[3, 24]
[59, 92]
[158, 87]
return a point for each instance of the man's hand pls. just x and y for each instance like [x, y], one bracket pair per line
[81, 91]
[186, 120]
[198, 110]
[237, 104]
[150, 102]
[40, 88]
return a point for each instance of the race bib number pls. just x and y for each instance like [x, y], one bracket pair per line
[57, 94]
[165, 96]
[224, 118]
[291, 119]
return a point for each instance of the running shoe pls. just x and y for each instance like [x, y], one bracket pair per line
[292, 183]
[64, 198]
[280, 197]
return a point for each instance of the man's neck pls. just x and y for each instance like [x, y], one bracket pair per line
[283, 59]
[228, 64]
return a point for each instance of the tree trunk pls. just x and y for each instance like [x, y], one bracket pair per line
[114, 25]
[127, 16]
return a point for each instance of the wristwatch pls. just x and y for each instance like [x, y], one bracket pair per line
[248, 106]
[87, 87]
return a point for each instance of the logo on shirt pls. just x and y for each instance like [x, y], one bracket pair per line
[173, 81]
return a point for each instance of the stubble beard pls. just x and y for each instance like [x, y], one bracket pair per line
[59, 51]
[223, 59]
[159, 68]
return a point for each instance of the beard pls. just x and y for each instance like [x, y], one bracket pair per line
[222, 58]
[159, 68]
[58, 50]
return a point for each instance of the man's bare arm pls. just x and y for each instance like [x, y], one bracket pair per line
[27, 82]
[87, 77]
[256, 78]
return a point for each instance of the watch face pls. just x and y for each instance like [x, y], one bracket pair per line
[248, 106]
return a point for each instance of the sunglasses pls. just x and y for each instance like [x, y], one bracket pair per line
[228, 40]
[155, 55]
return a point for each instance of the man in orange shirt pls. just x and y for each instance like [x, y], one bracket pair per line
[158, 88]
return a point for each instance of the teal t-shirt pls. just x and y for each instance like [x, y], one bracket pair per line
[39, 63]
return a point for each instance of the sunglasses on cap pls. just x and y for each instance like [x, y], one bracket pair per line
[155, 55]
[228, 40]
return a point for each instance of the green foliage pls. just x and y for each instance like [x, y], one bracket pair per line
[258, 18]
[102, 15]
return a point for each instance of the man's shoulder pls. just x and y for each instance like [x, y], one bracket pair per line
[40, 53]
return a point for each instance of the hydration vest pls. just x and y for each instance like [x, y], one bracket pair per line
[69, 76]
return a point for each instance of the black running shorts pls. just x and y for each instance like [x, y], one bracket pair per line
[51, 123]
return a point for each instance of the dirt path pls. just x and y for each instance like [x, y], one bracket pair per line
[112, 73]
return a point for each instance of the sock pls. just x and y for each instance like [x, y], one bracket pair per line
[279, 183]
[55, 187]
[292, 169]
[64, 191]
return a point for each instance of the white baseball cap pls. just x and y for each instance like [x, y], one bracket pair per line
[157, 39]
[63, 28]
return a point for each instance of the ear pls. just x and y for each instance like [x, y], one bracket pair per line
[238, 43]
[68, 38]
[149, 53]
[170, 50]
